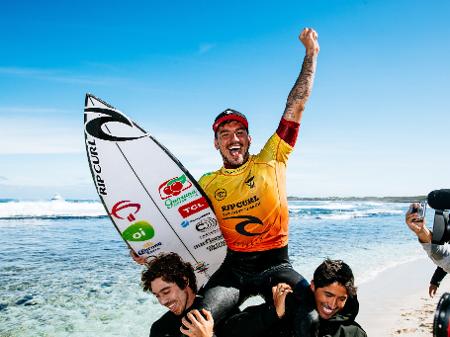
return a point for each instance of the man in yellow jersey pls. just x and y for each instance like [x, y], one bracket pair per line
[248, 195]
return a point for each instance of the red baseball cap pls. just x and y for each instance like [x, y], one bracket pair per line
[229, 115]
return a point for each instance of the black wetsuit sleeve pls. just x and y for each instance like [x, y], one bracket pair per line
[438, 276]
[251, 322]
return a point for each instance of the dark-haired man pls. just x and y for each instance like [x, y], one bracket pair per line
[173, 283]
[327, 308]
[248, 194]
[333, 294]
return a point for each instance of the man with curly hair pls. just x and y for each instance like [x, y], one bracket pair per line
[173, 283]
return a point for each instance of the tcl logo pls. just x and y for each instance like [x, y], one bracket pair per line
[193, 207]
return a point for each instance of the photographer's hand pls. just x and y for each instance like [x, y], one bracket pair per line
[432, 290]
[418, 226]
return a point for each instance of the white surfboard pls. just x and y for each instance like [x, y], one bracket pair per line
[152, 200]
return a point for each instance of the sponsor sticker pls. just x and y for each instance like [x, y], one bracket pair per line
[193, 207]
[139, 231]
[125, 209]
[201, 267]
[208, 241]
[173, 202]
[206, 224]
[173, 187]
[154, 247]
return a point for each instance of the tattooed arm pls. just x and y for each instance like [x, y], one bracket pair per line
[296, 101]
[299, 94]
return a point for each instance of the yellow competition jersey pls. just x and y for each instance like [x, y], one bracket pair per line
[250, 202]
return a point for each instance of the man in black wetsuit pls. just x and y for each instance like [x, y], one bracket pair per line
[327, 308]
[173, 283]
[248, 194]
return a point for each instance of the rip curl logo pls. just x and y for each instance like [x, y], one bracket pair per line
[96, 126]
[248, 220]
[243, 203]
[220, 194]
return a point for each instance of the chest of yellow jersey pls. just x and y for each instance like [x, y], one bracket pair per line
[251, 205]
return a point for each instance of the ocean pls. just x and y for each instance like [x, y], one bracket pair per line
[65, 271]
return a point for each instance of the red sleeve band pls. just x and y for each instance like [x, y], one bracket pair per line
[288, 131]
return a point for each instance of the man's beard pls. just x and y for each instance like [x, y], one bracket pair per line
[227, 164]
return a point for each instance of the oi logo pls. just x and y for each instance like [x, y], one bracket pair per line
[139, 231]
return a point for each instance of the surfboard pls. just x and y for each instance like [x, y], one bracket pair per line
[150, 197]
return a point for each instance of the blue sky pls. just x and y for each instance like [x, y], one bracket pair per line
[377, 122]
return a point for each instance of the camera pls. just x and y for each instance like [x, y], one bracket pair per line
[420, 208]
[439, 200]
[441, 230]
[441, 317]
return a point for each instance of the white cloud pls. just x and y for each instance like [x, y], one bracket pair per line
[31, 110]
[57, 76]
[39, 135]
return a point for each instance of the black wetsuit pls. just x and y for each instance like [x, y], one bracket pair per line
[301, 320]
[169, 324]
[246, 274]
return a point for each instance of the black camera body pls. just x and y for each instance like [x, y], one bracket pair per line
[441, 229]
[439, 200]
[442, 316]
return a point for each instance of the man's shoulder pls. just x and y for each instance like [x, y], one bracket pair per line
[274, 149]
[207, 177]
[355, 330]
[164, 325]
[350, 329]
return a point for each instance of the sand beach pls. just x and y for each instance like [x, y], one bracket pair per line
[396, 302]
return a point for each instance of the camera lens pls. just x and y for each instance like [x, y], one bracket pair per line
[441, 317]
[441, 230]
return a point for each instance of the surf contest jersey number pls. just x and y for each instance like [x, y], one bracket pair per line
[152, 200]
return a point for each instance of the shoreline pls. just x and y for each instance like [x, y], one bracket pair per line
[396, 302]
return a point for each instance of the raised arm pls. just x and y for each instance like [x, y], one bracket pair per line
[417, 226]
[299, 94]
